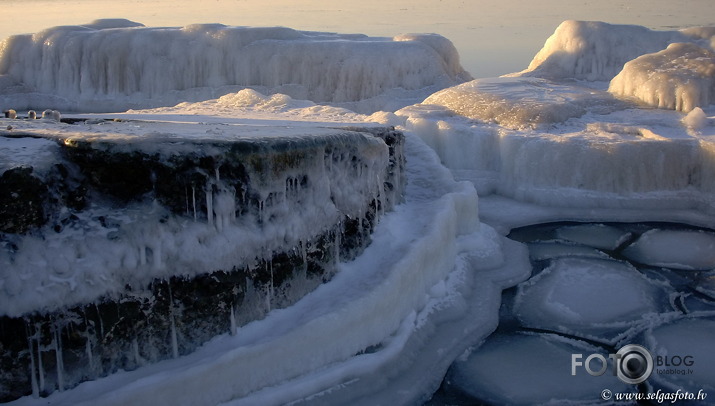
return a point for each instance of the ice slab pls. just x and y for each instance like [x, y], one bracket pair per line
[594, 235]
[691, 336]
[526, 369]
[677, 249]
[680, 77]
[519, 102]
[587, 297]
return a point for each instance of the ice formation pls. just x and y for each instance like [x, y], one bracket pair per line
[594, 50]
[587, 296]
[112, 65]
[686, 250]
[528, 369]
[689, 336]
[680, 77]
[595, 235]
[518, 103]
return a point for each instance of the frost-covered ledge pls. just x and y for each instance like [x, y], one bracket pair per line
[126, 242]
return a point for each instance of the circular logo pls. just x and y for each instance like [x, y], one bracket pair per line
[635, 364]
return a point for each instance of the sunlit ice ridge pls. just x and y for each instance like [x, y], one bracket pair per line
[113, 65]
[608, 123]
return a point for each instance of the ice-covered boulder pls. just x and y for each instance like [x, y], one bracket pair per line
[680, 77]
[678, 249]
[117, 65]
[593, 50]
[518, 102]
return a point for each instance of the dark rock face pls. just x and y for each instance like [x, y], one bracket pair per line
[22, 197]
[56, 347]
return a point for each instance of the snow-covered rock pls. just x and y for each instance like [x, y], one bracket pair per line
[115, 65]
[680, 77]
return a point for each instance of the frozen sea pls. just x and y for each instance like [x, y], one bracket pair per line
[607, 177]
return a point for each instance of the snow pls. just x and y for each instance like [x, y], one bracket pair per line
[684, 250]
[528, 369]
[587, 297]
[113, 65]
[680, 77]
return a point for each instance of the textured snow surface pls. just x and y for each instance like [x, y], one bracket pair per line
[527, 369]
[112, 65]
[686, 250]
[680, 77]
[594, 50]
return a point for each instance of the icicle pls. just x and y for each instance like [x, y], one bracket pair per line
[210, 205]
[90, 356]
[304, 253]
[337, 243]
[101, 322]
[142, 255]
[218, 176]
[40, 368]
[174, 341]
[59, 358]
[33, 371]
[156, 255]
[233, 321]
[269, 290]
[193, 200]
[135, 351]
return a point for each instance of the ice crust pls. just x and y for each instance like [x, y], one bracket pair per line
[115, 65]
[680, 77]
[684, 250]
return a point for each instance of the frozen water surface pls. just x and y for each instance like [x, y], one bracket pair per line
[526, 369]
[539, 251]
[587, 295]
[686, 250]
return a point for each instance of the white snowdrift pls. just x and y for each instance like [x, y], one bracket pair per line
[680, 77]
[597, 51]
[115, 65]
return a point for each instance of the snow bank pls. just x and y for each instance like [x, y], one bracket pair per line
[117, 64]
[595, 51]
[680, 77]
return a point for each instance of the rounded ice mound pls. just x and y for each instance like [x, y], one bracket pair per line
[594, 50]
[680, 77]
[526, 369]
[587, 297]
[677, 249]
[692, 337]
[518, 102]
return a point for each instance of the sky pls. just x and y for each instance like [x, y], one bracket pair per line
[493, 36]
